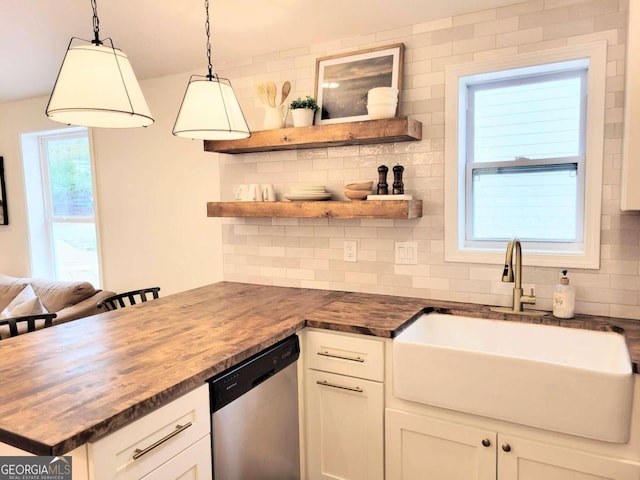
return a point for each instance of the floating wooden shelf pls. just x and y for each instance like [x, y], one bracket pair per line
[332, 209]
[398, 129]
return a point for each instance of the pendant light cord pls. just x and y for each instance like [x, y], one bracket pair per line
[207, 26]
[96, 24]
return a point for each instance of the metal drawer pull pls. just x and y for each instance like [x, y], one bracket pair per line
[179, 428]
[351, 389]
[341, 357]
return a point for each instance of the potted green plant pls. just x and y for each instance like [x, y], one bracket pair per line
[303, 111]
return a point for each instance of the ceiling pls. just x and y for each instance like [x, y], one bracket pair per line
[163, 37]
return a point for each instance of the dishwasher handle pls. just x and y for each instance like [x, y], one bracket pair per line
[264, 377]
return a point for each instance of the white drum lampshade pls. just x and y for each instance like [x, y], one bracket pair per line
[210, 111]
[96, 87]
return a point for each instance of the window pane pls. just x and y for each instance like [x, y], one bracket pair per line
[75, 252]
[70, 182]
[533, 203]
[540, 118]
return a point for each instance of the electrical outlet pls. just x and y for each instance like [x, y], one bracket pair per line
[350, 251]
[406, 253]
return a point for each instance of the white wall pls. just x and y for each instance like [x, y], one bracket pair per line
[152, 190]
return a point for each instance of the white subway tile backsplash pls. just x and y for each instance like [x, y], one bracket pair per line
[569, 29]
[495, 53]
[433, 51]
[611, 37]
[433, 25]
[309, 252]
[475, 17]
[494, 27]
[474, 45]
[360, 277]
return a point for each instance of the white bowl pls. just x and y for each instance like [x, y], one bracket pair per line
[381, 111]
[382, 98]
[383, 91]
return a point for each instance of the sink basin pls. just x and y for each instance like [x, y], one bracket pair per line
[561, 379]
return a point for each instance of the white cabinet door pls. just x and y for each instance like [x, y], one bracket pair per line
[344, 427]
[141, 446]
[194, 463]
[630, 194]
[521, 459]
[419, 448]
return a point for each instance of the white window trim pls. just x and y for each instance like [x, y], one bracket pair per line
[454, 173]
[40, 262]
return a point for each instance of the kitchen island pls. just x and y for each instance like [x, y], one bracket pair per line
[74, 383]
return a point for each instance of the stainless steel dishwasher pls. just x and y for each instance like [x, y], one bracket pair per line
[254, 417]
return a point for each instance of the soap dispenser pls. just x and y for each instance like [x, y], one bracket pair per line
[564, 298]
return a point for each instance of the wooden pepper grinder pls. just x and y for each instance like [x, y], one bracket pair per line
[383, 187]
[398, 186]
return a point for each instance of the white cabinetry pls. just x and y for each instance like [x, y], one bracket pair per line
[169, 443]
[344, 395]
[523, 459]
[630, 194]
[419, 447]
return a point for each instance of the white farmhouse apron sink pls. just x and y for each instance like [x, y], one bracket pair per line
[566, 380]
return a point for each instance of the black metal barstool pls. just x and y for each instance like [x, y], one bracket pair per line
[33, 323]
[125, 299]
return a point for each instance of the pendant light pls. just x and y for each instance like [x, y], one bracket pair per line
[210, 109]
[96, 86]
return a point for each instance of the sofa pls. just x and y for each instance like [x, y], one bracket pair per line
[69, 300]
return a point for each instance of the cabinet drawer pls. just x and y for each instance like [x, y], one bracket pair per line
[192, 464]
[346, 355]
[162, 434]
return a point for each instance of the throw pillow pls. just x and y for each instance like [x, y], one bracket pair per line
[25, 303]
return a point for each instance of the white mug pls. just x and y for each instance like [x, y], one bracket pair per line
[242, 193]
[268, 193]
[254, 194]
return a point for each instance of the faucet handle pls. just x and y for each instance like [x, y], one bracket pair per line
[529, 299]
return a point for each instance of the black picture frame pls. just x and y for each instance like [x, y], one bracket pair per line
[4, 213]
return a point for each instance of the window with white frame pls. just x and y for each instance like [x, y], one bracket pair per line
[524, 139]
[61, 205]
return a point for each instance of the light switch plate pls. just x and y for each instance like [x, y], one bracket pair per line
[406, 253]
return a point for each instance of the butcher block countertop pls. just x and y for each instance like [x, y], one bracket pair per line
[74, 383]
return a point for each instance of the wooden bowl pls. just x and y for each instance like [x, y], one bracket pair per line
[356, 194]
[359, 186]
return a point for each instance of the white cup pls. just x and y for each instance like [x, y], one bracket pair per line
[254, 193]
[242, 193]
[268, 193]
[249, 193]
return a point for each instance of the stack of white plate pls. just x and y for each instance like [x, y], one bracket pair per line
[308, 192]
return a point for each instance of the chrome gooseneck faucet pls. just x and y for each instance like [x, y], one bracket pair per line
[508, 275]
